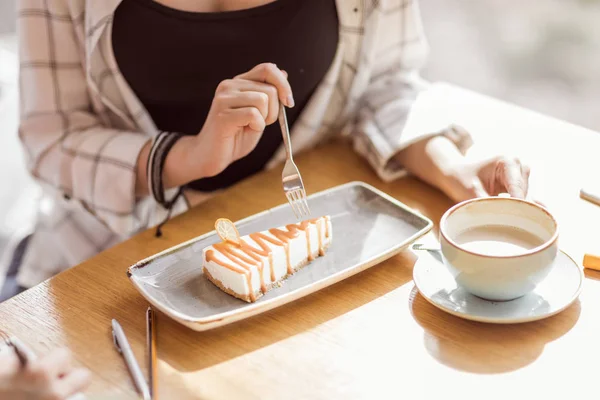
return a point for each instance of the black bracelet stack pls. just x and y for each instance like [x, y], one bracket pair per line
[161, 145]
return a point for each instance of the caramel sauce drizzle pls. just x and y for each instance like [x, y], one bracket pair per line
[244, 256]
[310, 256]
[230, 251]
[285, 237]
[260, 239]
[319, 235]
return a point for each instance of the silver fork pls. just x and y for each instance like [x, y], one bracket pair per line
[292, 181]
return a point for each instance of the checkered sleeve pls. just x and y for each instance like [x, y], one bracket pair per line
[396, 54]
[68, 149]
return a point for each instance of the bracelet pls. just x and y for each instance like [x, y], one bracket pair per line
[460, 137]
[161, 145]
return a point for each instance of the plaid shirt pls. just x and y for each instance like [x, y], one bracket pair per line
[82, 127]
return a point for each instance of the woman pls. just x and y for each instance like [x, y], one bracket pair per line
[50, 377]
[204, 79]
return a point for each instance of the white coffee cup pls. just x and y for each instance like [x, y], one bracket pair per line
[498, 277]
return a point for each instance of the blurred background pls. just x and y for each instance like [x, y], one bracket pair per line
[543, 55]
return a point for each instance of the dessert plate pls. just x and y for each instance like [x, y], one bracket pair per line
[558, 291]
[368, 226]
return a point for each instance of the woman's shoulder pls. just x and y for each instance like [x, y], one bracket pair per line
[60, 10]
[68, 11]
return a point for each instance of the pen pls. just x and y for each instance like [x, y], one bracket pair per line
[587, 195]
[123, 347]
[151, 342]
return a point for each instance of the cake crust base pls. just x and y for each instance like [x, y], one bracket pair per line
[258, 294]
[230, 292]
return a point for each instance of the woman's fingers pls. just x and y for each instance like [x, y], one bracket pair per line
[258, 100]
[247, 117]
[468, 189]
[244, 85]
[477, 189]
[73, 383]
[513, 176]
[269, 73]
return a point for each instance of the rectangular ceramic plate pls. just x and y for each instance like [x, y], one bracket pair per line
[368, 227]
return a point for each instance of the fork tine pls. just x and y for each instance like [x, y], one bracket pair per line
[305, 202]
[297, 204]
[301, 204]
[298, 194]
[291, 201]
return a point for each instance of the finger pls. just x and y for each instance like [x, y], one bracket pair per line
[477, 189]
[248, 117]
[525, 171]
[269, 73]
[512, 179]
[244, 85]
[258, 100]
[72, 383]
[539, 202]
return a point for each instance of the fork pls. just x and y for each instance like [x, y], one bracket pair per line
[292, 181]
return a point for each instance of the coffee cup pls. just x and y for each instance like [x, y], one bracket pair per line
[498, 248]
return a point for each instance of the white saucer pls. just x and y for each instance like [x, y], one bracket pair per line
[558, 291]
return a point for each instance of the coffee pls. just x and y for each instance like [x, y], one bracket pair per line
[498, 240]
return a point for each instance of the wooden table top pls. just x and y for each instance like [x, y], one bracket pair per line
[370, 336]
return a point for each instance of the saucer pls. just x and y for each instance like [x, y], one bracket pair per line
[557, 292]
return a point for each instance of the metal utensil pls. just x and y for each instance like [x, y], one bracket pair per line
[23, 352]
[421, 246]
[151, 343]
[123, 347]
[293, 186]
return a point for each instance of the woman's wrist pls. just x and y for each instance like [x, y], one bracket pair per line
[182, 165]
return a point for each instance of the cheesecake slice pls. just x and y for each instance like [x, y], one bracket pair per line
[249, 266]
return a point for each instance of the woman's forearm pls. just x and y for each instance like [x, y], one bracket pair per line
[432, 160]
[179, 167]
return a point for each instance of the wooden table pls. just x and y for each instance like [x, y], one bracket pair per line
[371, 336]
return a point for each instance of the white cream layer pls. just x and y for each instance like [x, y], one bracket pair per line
[298, 250]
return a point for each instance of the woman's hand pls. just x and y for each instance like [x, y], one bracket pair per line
[490, 177]
[52, 377]
[439, 162]
[240, 110]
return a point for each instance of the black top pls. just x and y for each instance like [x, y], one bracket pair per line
[173, 60]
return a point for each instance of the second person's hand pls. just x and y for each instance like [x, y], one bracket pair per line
[51, 377]
[241, 109]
